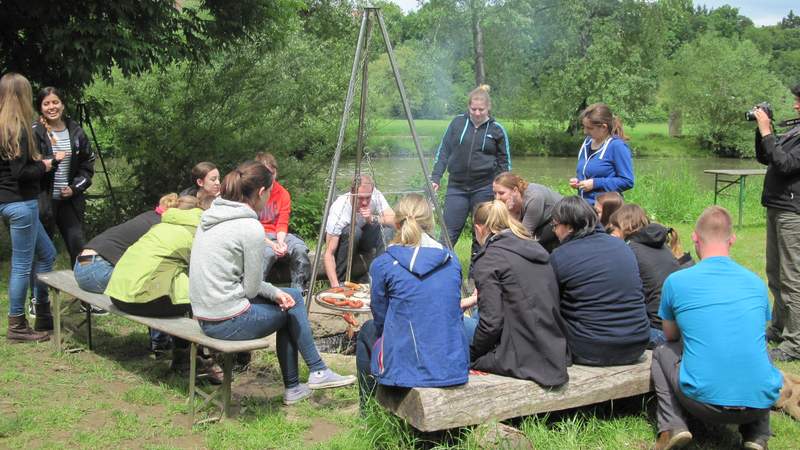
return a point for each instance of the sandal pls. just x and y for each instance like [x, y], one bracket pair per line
[789, 400]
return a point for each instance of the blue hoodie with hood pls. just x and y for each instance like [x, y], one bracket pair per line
[415, 303]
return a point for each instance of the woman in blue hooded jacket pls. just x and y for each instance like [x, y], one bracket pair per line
[416, 337]
[604, 159]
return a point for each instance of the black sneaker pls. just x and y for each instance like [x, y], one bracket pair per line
[93, 309]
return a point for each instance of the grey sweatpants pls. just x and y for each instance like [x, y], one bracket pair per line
[674, 407]
[783, 277]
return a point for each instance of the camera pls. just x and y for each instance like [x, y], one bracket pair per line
[764, 106]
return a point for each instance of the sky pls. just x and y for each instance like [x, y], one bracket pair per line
[761, 12]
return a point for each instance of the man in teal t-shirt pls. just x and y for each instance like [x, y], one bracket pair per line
[720, 372]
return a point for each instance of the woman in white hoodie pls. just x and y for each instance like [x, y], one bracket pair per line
[226, 290]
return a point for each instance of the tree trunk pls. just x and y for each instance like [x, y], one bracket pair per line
[675, 123]
[477, 40]
[574, 124]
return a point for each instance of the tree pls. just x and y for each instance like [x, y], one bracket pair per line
[791, 21]
[713, 101]
[66, 44]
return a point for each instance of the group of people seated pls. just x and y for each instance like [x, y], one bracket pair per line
[603, 295]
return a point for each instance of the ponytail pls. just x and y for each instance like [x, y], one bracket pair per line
[599, 114]
[674, 242]
[413, 216]
[495, 217]
[242, 184]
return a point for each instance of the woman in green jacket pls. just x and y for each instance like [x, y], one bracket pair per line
[152, 277]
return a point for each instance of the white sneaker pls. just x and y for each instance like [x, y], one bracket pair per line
[327, 378]
[296, 394]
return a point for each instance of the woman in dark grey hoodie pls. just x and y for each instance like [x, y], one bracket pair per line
[226, 290]
[654, 257]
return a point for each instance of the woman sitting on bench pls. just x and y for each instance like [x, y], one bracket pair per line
[228, 295]
[151, 279]
[601, 294]
[520, 331]
[415, 304]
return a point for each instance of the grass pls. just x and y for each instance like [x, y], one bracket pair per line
[116, 396]
[392, 136]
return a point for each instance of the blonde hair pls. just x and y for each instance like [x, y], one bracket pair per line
[481, 93]
[187, 202]
[412, 216]
[168, 201]
[510, 180]
[495, 217]
[714, 225]
[16, 116]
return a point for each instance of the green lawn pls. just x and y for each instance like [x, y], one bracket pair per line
[646, 139]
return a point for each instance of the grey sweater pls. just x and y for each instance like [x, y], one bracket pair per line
[227, 263]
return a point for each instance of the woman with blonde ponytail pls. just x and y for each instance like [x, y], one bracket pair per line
[474, 150]
[415, 308]
[530, 203]
[520, 332]
[21, 171]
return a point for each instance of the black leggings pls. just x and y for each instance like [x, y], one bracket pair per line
[68, 215]
[160, 307]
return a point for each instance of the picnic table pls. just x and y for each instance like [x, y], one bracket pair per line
[725, 178]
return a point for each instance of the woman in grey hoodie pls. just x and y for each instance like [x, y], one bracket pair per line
[229, 298]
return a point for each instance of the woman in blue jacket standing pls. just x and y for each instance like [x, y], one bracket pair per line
[474, 150]
[416, 338]
[604, 159]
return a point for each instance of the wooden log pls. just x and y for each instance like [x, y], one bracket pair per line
[494, 398]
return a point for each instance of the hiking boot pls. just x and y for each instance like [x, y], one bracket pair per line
[774, 336]
[755, 444]
[777, 354]
[43, 320]
[296, 394]
[19, 331]
[206, 368]
[668, 440]
[327, 378]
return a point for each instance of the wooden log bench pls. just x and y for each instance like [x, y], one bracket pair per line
[63, 282]
[494, 398]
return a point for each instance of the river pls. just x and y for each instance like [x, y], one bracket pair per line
[402, 174]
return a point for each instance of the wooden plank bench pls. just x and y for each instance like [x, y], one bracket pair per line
[494, 398]
[63, 282]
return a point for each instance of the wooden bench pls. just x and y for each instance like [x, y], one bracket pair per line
[493, 398]
[63, 282]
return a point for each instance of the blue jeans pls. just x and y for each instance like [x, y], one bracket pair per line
[296, 254]
[458, 204]
[93, 276]
[470, 325]
[656, 338]
[264, 318]
[32, 252]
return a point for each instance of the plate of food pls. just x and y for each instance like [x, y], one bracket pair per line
[352, 297]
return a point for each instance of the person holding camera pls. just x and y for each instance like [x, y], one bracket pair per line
[781, 197]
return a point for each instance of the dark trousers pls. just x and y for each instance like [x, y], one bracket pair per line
[367, 336]
[67, 216]
[602, 355]
[459, 203]
[160, 307]
[674, 407]
[370, 242]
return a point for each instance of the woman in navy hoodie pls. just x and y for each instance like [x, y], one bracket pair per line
[604, 159]
[601, 293]
[416, 338]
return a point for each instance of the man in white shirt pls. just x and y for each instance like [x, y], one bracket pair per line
[374, 227]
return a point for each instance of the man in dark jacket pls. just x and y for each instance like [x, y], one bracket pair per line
[520, 332]
[781, 197]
